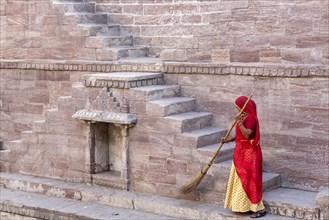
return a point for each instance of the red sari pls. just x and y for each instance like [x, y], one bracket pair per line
[247, 156]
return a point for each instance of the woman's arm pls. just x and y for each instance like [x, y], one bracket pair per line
[245, 131]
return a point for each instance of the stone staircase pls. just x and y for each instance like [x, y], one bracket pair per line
[106, 38]
[195, 140]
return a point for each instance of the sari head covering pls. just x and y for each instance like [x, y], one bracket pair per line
[250, 109]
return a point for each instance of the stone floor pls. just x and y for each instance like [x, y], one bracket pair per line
[54, 199]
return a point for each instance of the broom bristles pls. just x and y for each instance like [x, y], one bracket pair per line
[187, 188]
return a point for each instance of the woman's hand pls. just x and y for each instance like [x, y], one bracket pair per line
[240, 118]
[227, 140]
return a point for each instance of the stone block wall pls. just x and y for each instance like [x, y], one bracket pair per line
[292, 108]
[39, 30]
[204, 31]
[25, 96]
[227, 30]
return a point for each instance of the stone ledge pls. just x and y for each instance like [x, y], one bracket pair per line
[177, 208]
[110, 117]
[95, 66]
[245, 69]
[122, 80]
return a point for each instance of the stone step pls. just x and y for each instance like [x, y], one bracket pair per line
[109, 41]
[292, 203]
[189, 121]
[40, 126]
[122, 79]
[45, 207]
[73, 7]
[5, 155]
[154, 92]
[177, 208]
[89, 18]
[54, 115]
[222, 172]
[70, 105]
[72, 1]
[8, 158]
[29, 137]
[141, 60]
[170, 106]
[102, 30]
[131, 51]
[199, 138]
[116, 41]
[17, 146]
[116, 53]
[79, 91]
[204, 154]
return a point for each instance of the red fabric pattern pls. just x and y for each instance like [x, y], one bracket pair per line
[247, 153]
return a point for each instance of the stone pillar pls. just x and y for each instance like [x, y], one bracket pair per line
[125, 154]
[89, 151]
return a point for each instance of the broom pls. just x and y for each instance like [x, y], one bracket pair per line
[189, 187]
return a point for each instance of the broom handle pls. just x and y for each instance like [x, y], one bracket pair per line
[229, 131]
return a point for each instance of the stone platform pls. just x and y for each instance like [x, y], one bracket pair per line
[49, 198]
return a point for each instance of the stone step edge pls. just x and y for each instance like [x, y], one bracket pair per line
[122, 80]
[42, 207]
[37, 212]
[115, 198]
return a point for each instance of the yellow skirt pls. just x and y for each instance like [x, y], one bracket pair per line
[236, 198]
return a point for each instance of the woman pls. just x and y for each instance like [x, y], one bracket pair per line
[244, 189]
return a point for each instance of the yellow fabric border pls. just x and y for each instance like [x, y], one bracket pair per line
[236, 198]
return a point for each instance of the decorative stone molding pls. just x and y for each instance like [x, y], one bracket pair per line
[122, 80]
[104, 179]
[95, 66]
[109, 117]
[301, 213]
[248, 69]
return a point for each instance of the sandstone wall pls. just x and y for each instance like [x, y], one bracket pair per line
[292, 103]
[39, 30]
[293, 114]
[206, 31]
[292, 108]
[26, 94]
[226, 30]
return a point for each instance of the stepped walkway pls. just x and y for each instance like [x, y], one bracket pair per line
[48, 199]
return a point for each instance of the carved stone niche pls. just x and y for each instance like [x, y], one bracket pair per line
[107, 146]
[107, 143]
[107, 117]
[107, 154]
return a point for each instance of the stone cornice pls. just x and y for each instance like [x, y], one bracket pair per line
[122, 80]
[109, 117]
[247, 69]
[86, 66]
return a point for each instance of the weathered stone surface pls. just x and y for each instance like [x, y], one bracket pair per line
[293, 130]
[322, 201]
